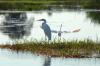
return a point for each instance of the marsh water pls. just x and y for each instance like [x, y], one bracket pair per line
[9, 58]
[87, 21]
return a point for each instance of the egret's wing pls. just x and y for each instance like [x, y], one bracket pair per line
[54, 31]
[66, 31]
[76, 30]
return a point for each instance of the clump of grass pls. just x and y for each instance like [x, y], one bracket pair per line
[57, 48]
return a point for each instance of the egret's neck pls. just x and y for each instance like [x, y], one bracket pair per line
[44, 21]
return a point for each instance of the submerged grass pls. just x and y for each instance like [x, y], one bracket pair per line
[57, 48]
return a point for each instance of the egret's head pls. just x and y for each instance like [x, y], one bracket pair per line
[44, 20]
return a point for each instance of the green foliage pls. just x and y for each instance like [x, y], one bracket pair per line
[34, 4]
[42, 4]
[92, 4]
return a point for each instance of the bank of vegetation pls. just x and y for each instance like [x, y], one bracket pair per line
[73, 49]
[46, 4]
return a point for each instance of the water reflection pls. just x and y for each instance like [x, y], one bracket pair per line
[9, 58]
[70, 20]
[94, 16]
[47, 61]
[16, 25]
[95, 5]
[50, 10]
